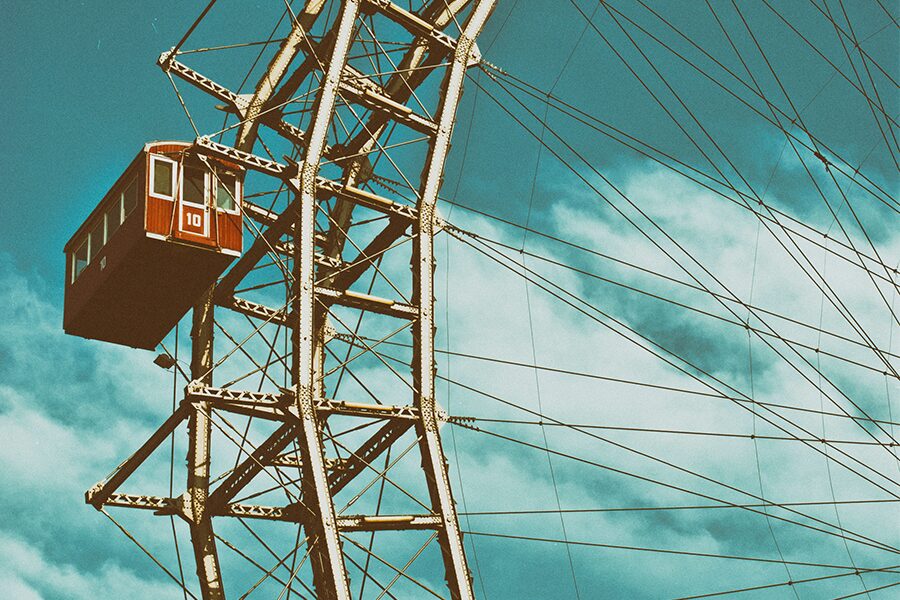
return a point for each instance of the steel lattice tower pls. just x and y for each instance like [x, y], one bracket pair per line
[334, 228]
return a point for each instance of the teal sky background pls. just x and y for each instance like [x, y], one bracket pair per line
[83, 94]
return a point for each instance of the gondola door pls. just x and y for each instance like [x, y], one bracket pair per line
[193, 204]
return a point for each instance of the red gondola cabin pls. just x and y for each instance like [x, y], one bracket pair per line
[159, 238]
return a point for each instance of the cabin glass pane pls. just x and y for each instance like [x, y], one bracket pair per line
[194, 188]
[225, 190]
[80, 260]
[98, 238]
[162, 180]
[129, 199]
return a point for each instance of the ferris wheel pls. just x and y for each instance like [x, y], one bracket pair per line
[298, 226]
[361, 97]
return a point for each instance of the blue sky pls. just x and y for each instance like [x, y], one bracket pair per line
[84, 94]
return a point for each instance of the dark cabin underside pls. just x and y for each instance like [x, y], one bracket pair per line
[140, 291]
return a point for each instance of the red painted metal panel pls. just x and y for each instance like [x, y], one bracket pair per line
[195, 220]
[136, 287]
[229, 226]
[159, 216]
[167, 147]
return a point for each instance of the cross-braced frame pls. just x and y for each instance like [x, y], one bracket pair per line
[319, 392]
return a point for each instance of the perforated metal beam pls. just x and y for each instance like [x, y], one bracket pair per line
[329, 573]
[198, 457]
[300, 414]
[433, 462]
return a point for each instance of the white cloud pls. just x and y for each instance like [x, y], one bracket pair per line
[82, 407]
[488, 317]
[27, 573]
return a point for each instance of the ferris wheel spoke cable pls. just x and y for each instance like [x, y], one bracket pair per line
[488, 513]
[282, 481]
[381, 486]
[843, 33]
[721, 434]
[400, 572]
[835, 507]
[193, 26]
[264, 374]
[355, 334]
[716, 395]
[585, 119]
[818, 280]
[881, 587]
[683, 369]
[408, 564]
[846, 201]
[678, 263]
[787, 506]
[380, 72]
[268, 574]
[366, 349]
[836, 69]
[662, 298]
[618, 210]
[149, 554]
[716, 191]
[521, 85]
[263, 543]
[258, 367]
[629, 265]
[372, 352]
[757, 111]
[838, 533]
[793, 582]
[259, 56]
[842, 531]
[878, 101]
[757, 92]
[367, 575]
[536, 372]
[175, 374]
[354, 377]
[594, 308]
[752, 90]
[799, 119]
[663, 551]
[856, 594]
[888, 13]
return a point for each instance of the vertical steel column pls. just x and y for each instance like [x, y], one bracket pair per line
[433, 461]
[329, 572]
[198, 457]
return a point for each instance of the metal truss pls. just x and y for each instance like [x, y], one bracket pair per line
[363, 157]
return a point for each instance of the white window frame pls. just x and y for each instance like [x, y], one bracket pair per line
[155, 158]
[118, 206]
[91, 231]
[87, 246]
[236, 192]
[206, 186]
[205, 207]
